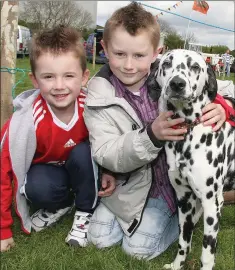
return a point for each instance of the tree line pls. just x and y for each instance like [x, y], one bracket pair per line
[38, 15]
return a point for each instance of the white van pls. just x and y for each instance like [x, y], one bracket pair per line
[23, 41]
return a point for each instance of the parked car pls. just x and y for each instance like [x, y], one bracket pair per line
[23, 41]
[100, 57]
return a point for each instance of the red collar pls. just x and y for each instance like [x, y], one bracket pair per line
[229, 111]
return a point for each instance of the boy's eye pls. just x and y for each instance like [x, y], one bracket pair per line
[119, 53]
[47, 77]
[138, 55]
[69, 75]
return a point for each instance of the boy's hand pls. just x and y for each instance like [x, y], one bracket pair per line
[214, 114]
[7, 244]
[108, 185]
[162, 128]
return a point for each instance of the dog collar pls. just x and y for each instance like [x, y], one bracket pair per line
[229, 111]
[187, 125]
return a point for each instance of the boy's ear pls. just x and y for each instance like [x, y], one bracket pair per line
[85, 77]
[104, 47]
[156, 53]
[33, 80]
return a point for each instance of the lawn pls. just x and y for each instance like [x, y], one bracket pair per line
[47, 250]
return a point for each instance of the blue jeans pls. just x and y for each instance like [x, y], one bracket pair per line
[158, 229]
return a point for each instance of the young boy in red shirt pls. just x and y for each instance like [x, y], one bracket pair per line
[44, 146]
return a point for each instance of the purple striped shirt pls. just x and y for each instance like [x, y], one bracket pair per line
[147, 111]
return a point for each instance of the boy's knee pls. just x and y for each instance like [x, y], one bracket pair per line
[80, 154]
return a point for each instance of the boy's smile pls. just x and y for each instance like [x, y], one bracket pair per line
[130, 57]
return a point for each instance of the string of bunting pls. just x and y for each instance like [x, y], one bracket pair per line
[174, 6]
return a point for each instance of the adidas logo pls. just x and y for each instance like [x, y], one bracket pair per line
[70, 143]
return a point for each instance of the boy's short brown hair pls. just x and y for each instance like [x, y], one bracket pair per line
[134, 18]
[57, 40]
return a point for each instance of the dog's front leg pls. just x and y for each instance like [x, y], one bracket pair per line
[212, 208]
[186, 210]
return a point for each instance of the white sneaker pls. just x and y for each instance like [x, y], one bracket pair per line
[43, 219]
[78, 234]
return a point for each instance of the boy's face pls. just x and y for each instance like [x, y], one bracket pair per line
[59, 78]
[130, 57]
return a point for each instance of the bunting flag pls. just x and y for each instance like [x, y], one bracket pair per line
[174, 6]
[200, 6]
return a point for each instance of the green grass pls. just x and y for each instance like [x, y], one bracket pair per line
[47, 250]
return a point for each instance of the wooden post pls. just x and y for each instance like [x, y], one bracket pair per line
[94, 53]
[9, 23]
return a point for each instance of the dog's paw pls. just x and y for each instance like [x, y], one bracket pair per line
[169, 266]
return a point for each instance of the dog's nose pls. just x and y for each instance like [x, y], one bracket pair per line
[177, 84]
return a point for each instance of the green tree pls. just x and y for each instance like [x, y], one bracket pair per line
[174, 41]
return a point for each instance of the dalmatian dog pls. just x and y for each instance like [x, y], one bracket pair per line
[203, 162]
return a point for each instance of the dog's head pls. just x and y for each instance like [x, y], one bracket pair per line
[183, 76]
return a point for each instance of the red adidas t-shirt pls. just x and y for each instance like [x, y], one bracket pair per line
[55, 139]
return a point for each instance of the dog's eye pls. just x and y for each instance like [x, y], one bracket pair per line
[167, 63]
[195, 67]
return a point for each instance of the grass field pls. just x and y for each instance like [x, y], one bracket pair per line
[47, 250]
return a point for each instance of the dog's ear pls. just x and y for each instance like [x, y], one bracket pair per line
[154, 89]
[212, 83]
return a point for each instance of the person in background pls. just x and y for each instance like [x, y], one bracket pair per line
[227, 62]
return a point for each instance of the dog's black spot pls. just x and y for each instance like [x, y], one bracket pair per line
[209, 181]
[218, 173]
[216, 227]
[220, 158]
[215, 187]
[197, 146]
[191, 162]
[170, 145]
[179, 146]
[197, 77]
[184, 204]
[193, 211]
[215, 163]
[178, 182]
[191, 137]
[188, 228]
[203, 138]
[209, 139]
[181, 252]
[189, 61]
[194, 87]
[197, 115]
[209, 240]
[187, 111]
[182, 66]
[210, 220]
[189, 74]
[209, 157]
[187, 251]
[220, 139]
[209, 195]
[187, 153]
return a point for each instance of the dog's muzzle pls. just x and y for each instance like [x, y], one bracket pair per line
[176, 88]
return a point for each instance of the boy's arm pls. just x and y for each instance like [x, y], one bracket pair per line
[6, 186]
[114, 151]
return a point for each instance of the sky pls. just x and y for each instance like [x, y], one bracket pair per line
[220, 14]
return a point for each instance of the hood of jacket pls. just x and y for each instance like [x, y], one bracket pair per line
[25, 99]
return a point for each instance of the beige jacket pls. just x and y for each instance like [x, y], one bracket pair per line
[120, 149]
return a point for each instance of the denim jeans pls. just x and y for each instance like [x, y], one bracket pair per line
[157, 231]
